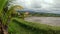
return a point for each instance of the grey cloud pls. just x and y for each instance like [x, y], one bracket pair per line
[40, 4]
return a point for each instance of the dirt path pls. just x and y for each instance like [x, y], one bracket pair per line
[53, 21]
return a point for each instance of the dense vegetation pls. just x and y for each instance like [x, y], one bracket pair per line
[46, 14]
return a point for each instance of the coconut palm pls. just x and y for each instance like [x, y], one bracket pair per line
[2, 27]
[5, 16]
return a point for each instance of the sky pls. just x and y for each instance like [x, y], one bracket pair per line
[49, 6]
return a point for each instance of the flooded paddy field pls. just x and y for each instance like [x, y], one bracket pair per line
[53, 21]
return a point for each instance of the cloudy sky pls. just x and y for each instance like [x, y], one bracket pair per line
[50, 6]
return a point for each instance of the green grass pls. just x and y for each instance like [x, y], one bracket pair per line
[19, 26]
[16, 28]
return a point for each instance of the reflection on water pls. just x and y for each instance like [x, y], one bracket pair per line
[53, 21]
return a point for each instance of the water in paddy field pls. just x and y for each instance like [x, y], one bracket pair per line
[53, 21]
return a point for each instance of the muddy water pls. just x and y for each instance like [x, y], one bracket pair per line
[53, 21]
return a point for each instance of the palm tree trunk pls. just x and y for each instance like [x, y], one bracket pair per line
[3, 28]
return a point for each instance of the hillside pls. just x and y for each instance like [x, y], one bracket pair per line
[33, 13]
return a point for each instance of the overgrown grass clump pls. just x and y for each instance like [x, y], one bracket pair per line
[32, 28]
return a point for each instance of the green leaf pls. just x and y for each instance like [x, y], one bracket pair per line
[2, 4]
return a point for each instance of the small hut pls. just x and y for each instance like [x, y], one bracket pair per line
[26, 14]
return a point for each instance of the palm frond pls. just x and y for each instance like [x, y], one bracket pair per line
[2, 4]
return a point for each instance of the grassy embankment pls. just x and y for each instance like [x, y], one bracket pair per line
[19, 26]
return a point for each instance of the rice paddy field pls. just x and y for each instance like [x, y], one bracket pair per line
[20, 26]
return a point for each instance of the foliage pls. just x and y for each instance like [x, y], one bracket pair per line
[45, 14]
[14, 9]
[16, 28]
[11, 12]
[2, 5]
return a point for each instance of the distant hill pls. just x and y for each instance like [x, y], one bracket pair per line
[34, 13]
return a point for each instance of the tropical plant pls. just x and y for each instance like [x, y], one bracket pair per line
[2, 27]
[5, 16]
[15, 8]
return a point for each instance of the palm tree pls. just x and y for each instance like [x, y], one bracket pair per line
[3, 9]
[5, 16]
